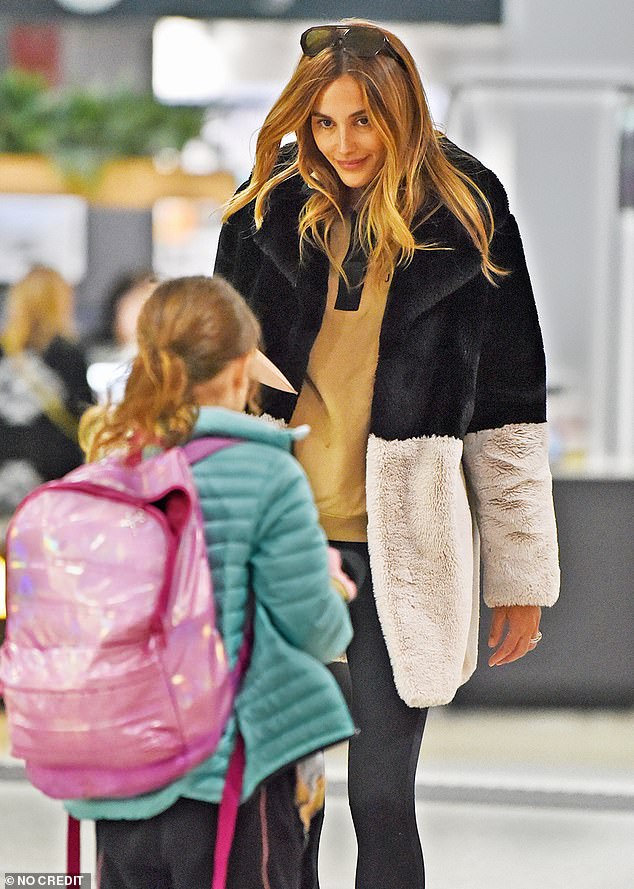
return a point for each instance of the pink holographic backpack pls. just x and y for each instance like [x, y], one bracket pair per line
[114, 675]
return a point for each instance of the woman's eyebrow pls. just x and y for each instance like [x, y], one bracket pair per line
[354, 114]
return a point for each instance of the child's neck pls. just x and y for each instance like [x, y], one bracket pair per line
[228, 398]
[226, 407]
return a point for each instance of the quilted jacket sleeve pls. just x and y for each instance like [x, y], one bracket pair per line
[506, 448]
[290, 568]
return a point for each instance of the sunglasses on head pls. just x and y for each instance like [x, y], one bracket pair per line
[358, 40]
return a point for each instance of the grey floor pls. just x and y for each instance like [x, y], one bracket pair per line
[505, 800]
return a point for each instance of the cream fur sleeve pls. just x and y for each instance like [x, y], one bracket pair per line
[511, 488]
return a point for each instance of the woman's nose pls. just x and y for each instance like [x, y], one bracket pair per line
[345, 141]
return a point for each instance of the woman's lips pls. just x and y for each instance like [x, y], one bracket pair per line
[351, 165]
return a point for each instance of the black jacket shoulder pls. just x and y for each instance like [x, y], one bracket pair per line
[482, 176]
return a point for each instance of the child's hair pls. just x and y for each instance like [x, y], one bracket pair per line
[188, 331]
[417, 176]
[39, 308]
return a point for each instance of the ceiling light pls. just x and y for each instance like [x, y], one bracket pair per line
[88, 7]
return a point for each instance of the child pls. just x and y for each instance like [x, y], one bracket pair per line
[197, 339]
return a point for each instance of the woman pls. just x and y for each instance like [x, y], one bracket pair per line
[390, 281]
[43, 387]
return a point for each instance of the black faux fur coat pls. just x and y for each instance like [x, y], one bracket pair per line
[457, 440]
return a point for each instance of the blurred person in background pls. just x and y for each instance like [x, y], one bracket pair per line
[43, 387]
[388, 275]
[112, 346]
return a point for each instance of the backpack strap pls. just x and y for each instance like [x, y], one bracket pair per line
[73, 853]
[228, 813]
[199, 448]
[232, 790]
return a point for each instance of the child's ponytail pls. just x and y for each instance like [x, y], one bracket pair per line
[158, 397]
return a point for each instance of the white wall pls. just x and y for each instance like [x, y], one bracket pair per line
[108, 55]
[591, 34]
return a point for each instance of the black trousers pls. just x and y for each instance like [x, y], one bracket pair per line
[174, 850]
[382, 758]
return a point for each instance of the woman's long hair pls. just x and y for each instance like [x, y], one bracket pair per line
[417, 176]
[39, 308]
[188, 331]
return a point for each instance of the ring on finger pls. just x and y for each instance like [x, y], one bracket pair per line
[536, 639]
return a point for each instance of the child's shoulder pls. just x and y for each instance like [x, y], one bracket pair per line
[260, 431]
[263, 445]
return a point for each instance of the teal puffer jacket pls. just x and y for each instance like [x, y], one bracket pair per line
[262, 531]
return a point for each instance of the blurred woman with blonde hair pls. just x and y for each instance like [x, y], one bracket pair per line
[43, 387]
[39, 308]
[388, 274]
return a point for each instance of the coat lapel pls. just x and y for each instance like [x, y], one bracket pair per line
[430, 277]
[416, 288]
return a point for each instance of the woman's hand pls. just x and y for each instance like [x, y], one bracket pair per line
[521, 623]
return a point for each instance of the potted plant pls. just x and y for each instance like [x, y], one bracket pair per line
[85, 134]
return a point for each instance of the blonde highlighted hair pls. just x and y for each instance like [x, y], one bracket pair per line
[416, 178]
[39, 308]
[187, 332]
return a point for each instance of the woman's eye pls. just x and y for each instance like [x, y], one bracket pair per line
[325, 124]
[363, 121]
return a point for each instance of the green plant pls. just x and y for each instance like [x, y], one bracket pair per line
[24, 112]
[81, 129]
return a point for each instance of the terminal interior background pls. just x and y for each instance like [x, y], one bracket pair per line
[527, 778]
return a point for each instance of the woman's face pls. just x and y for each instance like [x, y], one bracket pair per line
[344, 134]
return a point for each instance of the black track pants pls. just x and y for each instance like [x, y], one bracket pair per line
[174, 850]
